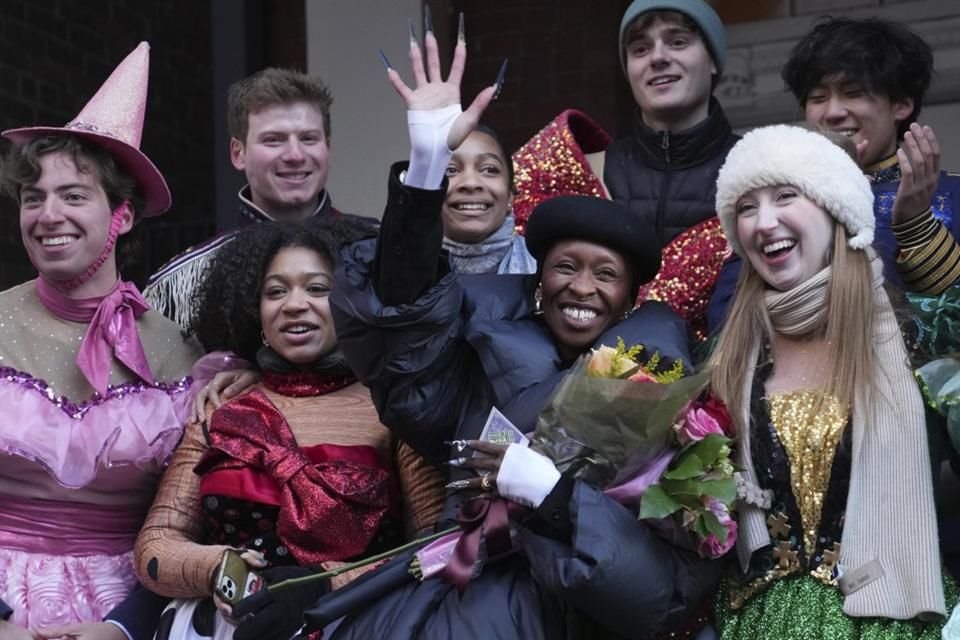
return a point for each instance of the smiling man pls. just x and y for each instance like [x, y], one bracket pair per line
[279, 122]
[672, 52]
[92, 378]
[867, 79]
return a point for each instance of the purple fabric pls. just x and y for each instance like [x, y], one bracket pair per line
[629, 492]
[134, 423]
[67, 528]
[112, 329]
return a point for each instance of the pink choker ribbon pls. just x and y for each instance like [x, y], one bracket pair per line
[116, 221]
[112, 330]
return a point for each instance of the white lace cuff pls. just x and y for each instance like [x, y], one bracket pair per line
[429, 154]
[525, 476]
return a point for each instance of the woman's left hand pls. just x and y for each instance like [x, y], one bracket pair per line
[431, 92]
[487, 465]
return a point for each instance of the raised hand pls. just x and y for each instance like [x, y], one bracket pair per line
[919, 158]
[431, 92]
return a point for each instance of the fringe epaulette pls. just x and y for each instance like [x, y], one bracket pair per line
[170, 289]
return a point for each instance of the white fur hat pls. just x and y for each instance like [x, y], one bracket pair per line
[783, 154]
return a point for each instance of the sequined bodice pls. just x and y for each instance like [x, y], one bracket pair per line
[800, 445]
[809, 425]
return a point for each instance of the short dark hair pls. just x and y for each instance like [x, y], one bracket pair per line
[885, 57]
[227, 302]
[507, 158]
[22, 167]
[274, 86]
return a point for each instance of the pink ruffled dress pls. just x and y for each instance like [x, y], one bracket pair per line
[78, 470]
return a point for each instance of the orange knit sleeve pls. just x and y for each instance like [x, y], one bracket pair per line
[168, 556]
[421, 491]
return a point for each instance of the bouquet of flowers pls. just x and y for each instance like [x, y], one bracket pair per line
[651, 439]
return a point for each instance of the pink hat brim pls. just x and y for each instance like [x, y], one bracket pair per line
[155, 190]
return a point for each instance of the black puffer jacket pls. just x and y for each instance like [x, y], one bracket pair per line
[670, 178]
[436, 363]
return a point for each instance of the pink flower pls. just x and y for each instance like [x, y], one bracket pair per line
[641, 376]
[697, 424]
[718, 410]
[711, 546]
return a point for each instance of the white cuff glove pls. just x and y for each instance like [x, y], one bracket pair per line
[525, 476]
[429, 154]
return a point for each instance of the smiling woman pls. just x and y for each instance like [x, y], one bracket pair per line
[440, 350]
[297, 470]
[295, 307]
[831, 424]
[479, 231]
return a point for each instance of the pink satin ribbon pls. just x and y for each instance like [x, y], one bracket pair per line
[455, 556]
[67, 528]
[112, 330]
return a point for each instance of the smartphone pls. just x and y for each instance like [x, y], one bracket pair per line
[235, 580]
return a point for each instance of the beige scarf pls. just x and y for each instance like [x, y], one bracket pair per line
[889, 553]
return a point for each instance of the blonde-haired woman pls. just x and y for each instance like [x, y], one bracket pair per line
[838, 536]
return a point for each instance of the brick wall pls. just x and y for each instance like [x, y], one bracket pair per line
[562, 54]
[54, 54]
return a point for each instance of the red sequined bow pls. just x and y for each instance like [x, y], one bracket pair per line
[328, 511]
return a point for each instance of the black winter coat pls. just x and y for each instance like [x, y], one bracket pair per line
[585, 566]
[670, 178]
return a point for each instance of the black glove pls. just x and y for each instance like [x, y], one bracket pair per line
[277, 615]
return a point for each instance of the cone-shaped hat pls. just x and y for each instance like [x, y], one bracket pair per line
[113, 119]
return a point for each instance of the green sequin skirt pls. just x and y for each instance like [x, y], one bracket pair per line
[801, 607]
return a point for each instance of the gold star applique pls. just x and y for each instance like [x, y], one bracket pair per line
[784, 555]
[778, 525]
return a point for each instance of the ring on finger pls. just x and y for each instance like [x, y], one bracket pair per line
[485, 482]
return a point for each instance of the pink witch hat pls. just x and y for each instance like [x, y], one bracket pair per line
[113, 119]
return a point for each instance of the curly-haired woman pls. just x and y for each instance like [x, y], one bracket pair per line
[298, 470]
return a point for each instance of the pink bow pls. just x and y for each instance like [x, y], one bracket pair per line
[112, 330]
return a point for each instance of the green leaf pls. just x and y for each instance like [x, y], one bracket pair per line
[690, 466]
[723, 490]
[700, 527]
[708, 449]
[657, 504]
[679, 488]
[712, 524]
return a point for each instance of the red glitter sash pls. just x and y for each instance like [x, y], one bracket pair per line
[328, 511]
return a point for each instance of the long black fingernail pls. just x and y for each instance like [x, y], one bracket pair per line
[383, 58]
[500, 76]
[427, 20]
[413, 33]
[455, 462]
[461, 36]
